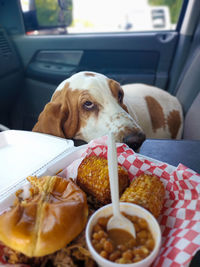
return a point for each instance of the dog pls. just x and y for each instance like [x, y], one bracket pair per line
[88, 105]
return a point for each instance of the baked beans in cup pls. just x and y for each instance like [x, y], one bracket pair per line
[117, 248]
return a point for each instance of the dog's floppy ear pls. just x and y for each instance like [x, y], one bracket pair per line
[60, 116]
[116, 89]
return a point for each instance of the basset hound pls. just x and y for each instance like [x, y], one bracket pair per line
[89, 105]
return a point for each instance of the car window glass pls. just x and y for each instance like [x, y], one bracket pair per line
[96, 16]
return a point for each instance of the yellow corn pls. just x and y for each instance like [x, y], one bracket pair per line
[147, 191]
[93, 178]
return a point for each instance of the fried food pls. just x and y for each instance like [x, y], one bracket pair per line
[93, 178]
[147, 191]
[52, 216]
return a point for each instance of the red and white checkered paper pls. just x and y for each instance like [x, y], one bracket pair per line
[180, 217]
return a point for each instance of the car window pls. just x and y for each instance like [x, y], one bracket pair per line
[93, 16]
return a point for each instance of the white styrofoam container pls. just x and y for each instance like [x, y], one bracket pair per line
[24, 153]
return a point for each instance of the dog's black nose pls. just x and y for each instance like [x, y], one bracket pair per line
[134, 140]
[79, 142]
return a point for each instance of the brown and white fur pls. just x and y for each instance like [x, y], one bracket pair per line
[89, 105]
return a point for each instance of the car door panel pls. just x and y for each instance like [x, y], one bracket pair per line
[144, 58]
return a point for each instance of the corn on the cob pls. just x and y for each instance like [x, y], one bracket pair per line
[147, 191]
[93, 178]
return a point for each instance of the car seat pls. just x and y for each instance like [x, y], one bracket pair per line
[188, 90]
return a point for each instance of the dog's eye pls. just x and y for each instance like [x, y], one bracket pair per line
[88, 105]
[120, 96]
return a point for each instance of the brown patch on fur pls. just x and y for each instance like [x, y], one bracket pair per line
[174, 122]
[60, 117]
[89, 74]
[156, 113]
[115, 89]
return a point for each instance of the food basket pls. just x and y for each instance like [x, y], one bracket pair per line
[180, 217]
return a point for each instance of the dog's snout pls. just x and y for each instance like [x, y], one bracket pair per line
[134, 140]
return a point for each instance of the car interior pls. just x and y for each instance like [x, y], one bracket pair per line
[32, 66]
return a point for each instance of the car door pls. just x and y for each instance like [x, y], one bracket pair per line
[128, 55]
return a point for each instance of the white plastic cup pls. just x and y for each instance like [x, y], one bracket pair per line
[130, 209]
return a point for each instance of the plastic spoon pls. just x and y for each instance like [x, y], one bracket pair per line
[117, 221]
